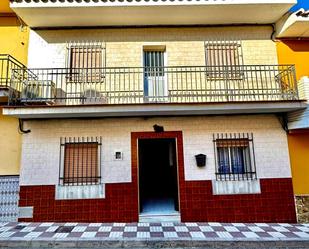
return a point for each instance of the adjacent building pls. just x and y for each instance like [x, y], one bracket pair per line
[13, 54]
[135, 111]
[293, 47]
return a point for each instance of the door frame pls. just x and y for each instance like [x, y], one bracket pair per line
[177, 135]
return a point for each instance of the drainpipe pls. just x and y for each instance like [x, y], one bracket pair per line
[21, 127]
[283, 119]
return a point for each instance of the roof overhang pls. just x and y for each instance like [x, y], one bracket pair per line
[144, 13]
[46, 112]
[295, 25]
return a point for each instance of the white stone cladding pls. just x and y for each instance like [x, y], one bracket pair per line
[124, 47]
[40, 149]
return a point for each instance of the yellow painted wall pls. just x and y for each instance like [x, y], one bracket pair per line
[13, 38]
[10, 145]
[5, 6]
[13, 41]
[297, 52]
[294, 52]
[299, 156]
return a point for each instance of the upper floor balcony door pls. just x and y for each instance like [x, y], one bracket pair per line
[155, 80]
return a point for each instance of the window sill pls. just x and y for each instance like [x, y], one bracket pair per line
[80, 192]
[236, 187]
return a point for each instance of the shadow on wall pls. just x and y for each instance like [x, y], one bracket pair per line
[158, 34]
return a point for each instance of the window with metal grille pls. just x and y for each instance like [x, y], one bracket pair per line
[86, 61]
[80, 161]
[234, 155]
[223, 59]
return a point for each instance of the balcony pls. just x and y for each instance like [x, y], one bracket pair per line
[7, 64]
[98, 13]
[154, 90]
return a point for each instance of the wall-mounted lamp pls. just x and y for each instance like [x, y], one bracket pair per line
[158, 128]
[200, 160]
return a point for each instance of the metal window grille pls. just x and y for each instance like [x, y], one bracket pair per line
[80, 161]
[223, 59]
[234, 156]
[86, 61]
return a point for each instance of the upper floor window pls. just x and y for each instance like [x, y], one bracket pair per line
[86, 61]
[235, 159]
[223, 59]
[80, 162]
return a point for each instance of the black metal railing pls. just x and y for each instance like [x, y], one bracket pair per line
[7, 64]
[234, 156]
[137, 85]
[80, 161]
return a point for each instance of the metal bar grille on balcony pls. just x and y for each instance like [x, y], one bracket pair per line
[7, 64]
[128, 85]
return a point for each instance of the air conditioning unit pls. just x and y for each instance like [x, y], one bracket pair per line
[303, 88]
[92, 97]
[38, 92]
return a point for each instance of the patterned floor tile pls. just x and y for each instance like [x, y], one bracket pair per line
[88, 235]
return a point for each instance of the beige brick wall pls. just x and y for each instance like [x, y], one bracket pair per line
[40, 149]
[184, 46]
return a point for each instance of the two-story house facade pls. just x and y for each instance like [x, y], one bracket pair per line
[135, 111]
[13, 54]
[293, 46]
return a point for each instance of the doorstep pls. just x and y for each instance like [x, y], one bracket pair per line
[153, 235]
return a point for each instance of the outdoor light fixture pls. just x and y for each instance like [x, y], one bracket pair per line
[158, 128]
[200, 160]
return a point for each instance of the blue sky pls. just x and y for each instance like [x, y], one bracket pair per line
[301, 4]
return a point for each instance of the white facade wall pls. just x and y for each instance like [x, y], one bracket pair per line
[124, 47]
[41, 147]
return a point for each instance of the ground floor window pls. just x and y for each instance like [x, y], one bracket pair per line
[234, 154]
[80, 161]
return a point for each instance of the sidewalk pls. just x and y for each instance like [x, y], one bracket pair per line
[117, 235]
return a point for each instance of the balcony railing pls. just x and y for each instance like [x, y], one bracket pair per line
[138, 85]
[7, 64]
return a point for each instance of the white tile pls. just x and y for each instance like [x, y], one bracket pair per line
[3, 224]
[170, 234]
[6, 234]
[46, 224]
[105, 229]
[276, 234]
[71, 224]
[156, 229]
[285, 224]
[60, 235]
[167, 224]
[4, 229]
[119, 224]
[181, 229]
[261, 224]
[143, 224]
[88, 234]
[27, 229]
[231, 229]
[256, 229]
[250, 235]
[206, 229]
[33, 235]
[115, 234]
[238, 224]
[143, 235]
[215, 224]
[302, 234]
[197, 235]
[130, 229]
[191, 224]
[280, 229]
[79, 229]
[95, 224]
[224, 235]
[303, 228]
[52, 229]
